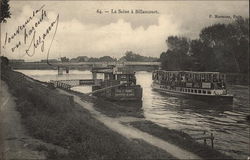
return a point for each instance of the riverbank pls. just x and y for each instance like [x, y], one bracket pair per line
[15, 141]
[46, 121]
[73, 129]
[136, 120]
[179, 138]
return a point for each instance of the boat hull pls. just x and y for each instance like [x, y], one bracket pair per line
[208, 98]
[126, 93]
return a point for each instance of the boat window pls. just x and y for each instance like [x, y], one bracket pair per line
[204, 91]
[123, 76]
[195, 91]
[192, 91]
[188, 90]
[199, 91]
[208, 92]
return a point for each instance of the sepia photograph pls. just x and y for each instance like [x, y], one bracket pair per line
[124, 80]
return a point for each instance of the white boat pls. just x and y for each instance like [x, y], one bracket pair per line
[200, 85]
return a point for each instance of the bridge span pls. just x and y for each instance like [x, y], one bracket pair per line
[83, 65]
[68, 64]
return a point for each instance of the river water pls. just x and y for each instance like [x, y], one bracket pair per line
[227, 122]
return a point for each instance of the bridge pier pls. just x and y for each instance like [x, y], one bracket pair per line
[67, 69]
[60, 70]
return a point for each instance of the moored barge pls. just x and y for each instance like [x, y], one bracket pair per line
[200, 85]
[119, 83]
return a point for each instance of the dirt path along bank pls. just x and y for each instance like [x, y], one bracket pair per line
[133, 133]
[15, 143]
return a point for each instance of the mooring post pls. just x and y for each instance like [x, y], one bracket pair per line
[205, 140]
[212, 140]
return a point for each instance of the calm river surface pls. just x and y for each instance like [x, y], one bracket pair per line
[227, 122]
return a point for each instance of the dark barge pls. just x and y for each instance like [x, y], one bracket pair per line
[118, 83]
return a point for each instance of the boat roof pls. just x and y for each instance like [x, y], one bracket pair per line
[194, 72]
[113, 70]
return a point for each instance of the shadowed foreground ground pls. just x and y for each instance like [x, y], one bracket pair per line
[75, 132]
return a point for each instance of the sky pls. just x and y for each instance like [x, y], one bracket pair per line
[80, 29]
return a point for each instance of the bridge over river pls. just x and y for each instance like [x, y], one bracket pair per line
[34, 65]
[67, 64]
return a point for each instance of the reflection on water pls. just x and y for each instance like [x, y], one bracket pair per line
[227, 122]
[132, 106]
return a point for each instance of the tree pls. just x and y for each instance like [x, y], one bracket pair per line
[64, 59]
[80, 59]
[178, 44]
[176, 57]
[220, 47]
[238, 43]
[214, 35]
[107, 59]
[170, 61]
[4, 63]
[130, 56]
[5, 11]
[92, 59]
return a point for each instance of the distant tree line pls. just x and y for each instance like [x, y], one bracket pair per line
[129, 56]
[220, 47]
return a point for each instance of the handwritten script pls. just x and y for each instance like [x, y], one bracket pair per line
[31, 38]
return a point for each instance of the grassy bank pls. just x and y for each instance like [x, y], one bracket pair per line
[71, 127]
[180, 139]
[173, 136]
[82, 135]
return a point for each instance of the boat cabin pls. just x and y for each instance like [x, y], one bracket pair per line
[189, 79]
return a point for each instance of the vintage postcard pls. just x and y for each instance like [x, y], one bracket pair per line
[124, 79]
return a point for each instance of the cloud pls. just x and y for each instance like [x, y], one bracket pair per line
[115, 38]
[74, 38]
[84, 32]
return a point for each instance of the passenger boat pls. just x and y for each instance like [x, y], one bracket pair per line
[119, 83]
[200, 85]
